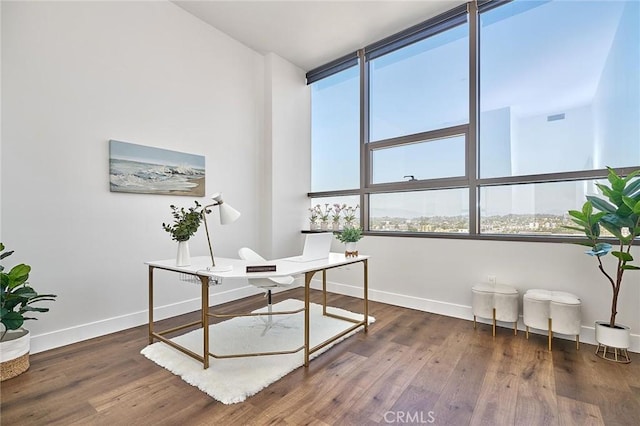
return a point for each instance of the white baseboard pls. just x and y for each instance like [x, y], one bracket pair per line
[58, 338]
[587, 334]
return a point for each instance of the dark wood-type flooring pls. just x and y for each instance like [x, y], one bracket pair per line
[411, 367]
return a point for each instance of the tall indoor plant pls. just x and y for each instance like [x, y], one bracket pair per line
[17, 299]
[619, 214]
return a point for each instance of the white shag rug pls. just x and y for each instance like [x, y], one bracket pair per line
[232, 380]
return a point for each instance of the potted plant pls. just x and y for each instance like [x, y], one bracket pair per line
[185, 224]
[335, 215]
[17, 299]
[350, 235]
[619, 214]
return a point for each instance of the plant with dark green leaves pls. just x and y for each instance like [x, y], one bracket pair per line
[185, 222]
[619, 214]
[349, 234]
[17, 296]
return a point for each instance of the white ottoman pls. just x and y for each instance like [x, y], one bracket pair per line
[496, 301]
[554, 311]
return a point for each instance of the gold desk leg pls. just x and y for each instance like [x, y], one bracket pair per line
[550, 335]
[150, 304]
[307, 283]
[366, 294]
[494, 322]
[324, 292]
[205, 319]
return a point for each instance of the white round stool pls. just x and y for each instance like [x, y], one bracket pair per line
[496, 301]
[555, 311]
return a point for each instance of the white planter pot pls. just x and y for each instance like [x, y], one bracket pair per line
[350, 247]
[613, 342]
[14, 353]
[618, 337]
[184, 257]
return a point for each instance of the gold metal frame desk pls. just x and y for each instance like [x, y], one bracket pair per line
[284, 267]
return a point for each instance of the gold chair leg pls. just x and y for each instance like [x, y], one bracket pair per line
[550, 335]
[494, 322]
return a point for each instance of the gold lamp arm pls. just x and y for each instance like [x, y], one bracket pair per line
[206, 227]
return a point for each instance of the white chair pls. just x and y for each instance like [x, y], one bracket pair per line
[266, 284]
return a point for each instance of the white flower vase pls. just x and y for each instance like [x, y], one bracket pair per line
[350, 249]
[324, 225]
[313, 226]
[184, 257]
[336, 226]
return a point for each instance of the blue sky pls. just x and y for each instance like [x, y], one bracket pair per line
[580, 59]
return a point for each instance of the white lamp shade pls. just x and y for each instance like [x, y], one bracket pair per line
[228, 214]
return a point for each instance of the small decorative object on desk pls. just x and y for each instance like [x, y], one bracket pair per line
[185, 224]
[350, 236]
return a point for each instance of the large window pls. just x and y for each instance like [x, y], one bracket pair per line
[493, 122]
[335, 132]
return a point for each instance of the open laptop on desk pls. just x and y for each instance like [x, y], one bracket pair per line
[316, 247]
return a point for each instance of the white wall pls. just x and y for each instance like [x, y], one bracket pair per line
[287, 107]
[76, 74]
[436, 275]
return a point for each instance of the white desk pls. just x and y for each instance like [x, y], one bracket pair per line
[284, 267]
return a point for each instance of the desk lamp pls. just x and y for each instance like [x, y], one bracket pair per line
[227, 215]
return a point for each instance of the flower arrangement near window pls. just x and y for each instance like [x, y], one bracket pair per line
[336, 215]
[350, 215]
[313, 218]
[323, 215]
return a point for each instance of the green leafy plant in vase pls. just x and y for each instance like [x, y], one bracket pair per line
[350, 235]
[17, 304]
[185, 224]
[619, 214]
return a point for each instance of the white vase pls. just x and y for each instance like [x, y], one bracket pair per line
[324, 225]
[313, 226]
[184, 257]
[336, 226]
[14, 353]
[350, 247]
[617, 337]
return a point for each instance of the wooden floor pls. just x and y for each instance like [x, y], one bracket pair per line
[410, 368]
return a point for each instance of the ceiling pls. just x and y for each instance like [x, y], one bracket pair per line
[311, 33]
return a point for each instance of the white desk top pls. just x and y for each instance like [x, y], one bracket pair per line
[284, 267]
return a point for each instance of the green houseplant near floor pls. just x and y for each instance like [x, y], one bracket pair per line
[17, 299]
[619, 214]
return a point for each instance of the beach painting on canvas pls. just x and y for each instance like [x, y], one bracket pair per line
[147, 170]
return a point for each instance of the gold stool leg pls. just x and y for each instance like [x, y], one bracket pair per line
[515, 328]
[527, 333]
[577, 342]
[550, 334]
[494, 322]
[474, 322]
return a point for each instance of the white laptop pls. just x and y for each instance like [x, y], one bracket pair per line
[316, 247]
